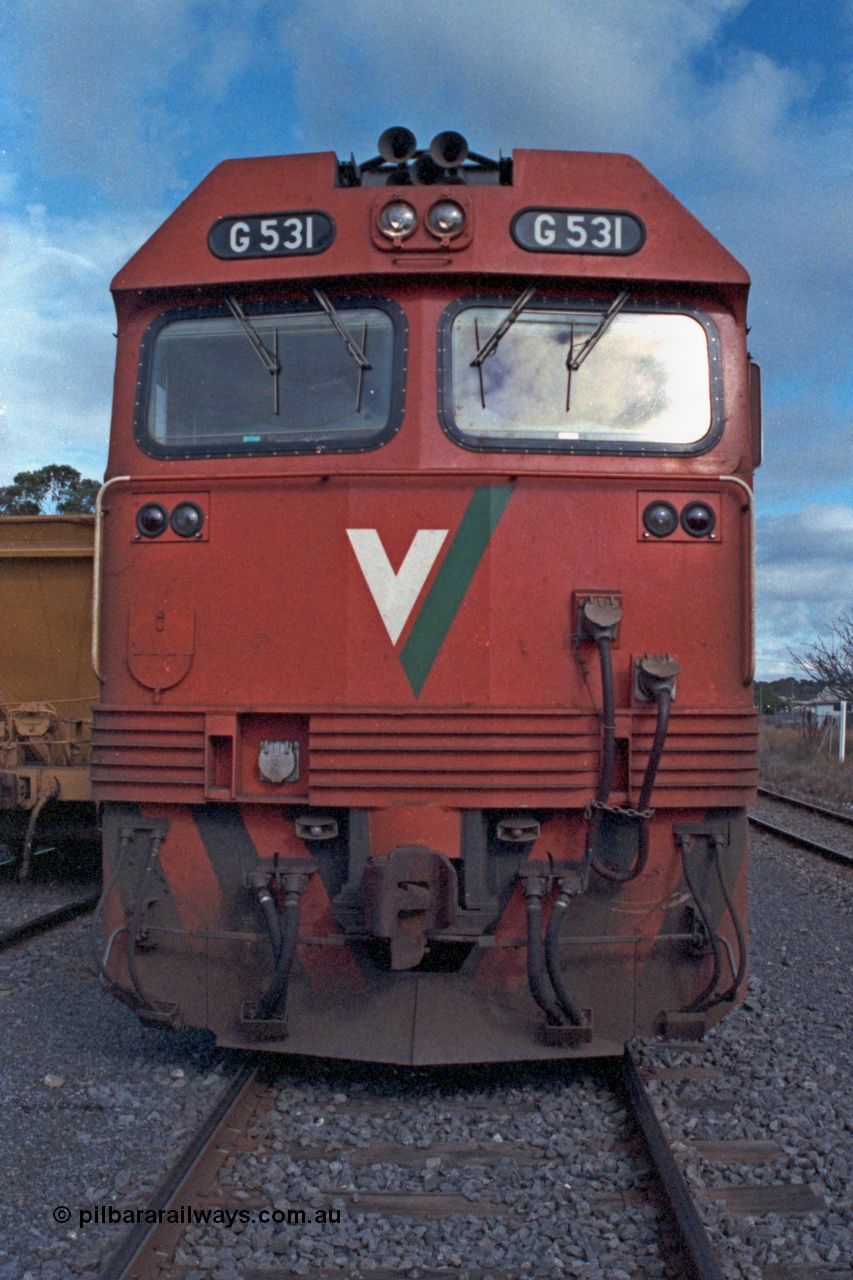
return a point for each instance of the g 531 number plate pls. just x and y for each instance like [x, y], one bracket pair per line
[271, 235]
[577, 231]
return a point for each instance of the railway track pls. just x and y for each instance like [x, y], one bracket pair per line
[12, 935]
[810, 806]
[223, 1169]
[818, 816]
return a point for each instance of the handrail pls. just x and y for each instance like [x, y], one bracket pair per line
[96, 575]
[749, 664]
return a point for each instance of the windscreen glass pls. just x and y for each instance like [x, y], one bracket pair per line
[564, 378]
[274, 381]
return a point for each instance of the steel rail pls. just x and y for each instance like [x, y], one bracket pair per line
[49, 920]
[808, 805]
[122, 1263]
[813, 846]
[699, 1254]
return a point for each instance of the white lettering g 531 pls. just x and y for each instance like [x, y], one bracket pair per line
[544, 229]
[239, 238]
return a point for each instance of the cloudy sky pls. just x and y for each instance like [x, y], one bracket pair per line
[111, 110]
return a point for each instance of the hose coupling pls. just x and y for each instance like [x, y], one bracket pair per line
[654, 673]
[572, 883]
[534, 881]
[599, 618]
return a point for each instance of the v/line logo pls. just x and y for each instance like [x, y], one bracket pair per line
[395, 594]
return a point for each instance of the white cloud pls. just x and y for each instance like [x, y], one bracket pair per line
[804, 580]
[124, 93]
[91, 68]
[56, 344]
[739, 146]
[120, 91]
[560, 74]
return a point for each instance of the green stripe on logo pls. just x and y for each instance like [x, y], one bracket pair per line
[452, 582]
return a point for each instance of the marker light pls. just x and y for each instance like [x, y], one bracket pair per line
[152, 519]
[698, 519]
[397, 220]
[187, 519]
[445, 219]
[660, 518]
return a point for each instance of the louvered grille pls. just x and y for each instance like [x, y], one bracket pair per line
[504, 759]
[148, 755]
[707, 753]
[498, 759]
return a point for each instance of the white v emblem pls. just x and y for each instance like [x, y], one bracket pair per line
[395, 593]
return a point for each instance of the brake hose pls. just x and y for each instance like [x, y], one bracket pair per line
[656, 677]
[276, 994]
[283, 935]
[706, 998]
[552, 959]
[118, 989]
[136, 918]
[698, 1004]
[737, 977]
[533, 889]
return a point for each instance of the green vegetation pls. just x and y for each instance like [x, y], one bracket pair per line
[52, 490]
[773, 695]
[792, 760]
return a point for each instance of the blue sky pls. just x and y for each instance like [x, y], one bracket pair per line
[112, 110]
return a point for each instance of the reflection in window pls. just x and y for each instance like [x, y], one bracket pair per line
[209, 389]
[646, 380]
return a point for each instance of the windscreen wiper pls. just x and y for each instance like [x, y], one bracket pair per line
[269, 359]
[490, 346]
[356, 351]
[574, 362]
[351, 345]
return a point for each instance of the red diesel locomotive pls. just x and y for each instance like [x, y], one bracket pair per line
[425, 623]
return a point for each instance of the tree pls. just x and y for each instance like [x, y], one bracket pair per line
[52, 490]
[830, 661]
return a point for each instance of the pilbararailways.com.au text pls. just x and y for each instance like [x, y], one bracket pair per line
[188, 1215]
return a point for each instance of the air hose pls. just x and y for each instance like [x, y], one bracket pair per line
[283, 929]
[534, 887]
[552, 937]
[706, 998]
[738, 975]
[156, 838]
[275, 996]
[121, 992]
[656, 680]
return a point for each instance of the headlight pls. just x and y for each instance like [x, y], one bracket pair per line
[152, 519]
[397, 220]
[187, 519]
[660, 518]
[698, 519]
[445, 219]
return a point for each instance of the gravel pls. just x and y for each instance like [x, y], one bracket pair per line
[562, 1213]
[95, 1106]
[785, 1059]
[20, 903]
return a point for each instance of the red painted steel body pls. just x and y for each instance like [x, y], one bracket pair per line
[265, 629]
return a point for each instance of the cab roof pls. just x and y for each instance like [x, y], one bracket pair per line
[676, 246]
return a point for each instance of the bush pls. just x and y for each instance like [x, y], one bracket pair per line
[793, 761]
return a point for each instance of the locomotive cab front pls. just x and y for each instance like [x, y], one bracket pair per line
[425, 643]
